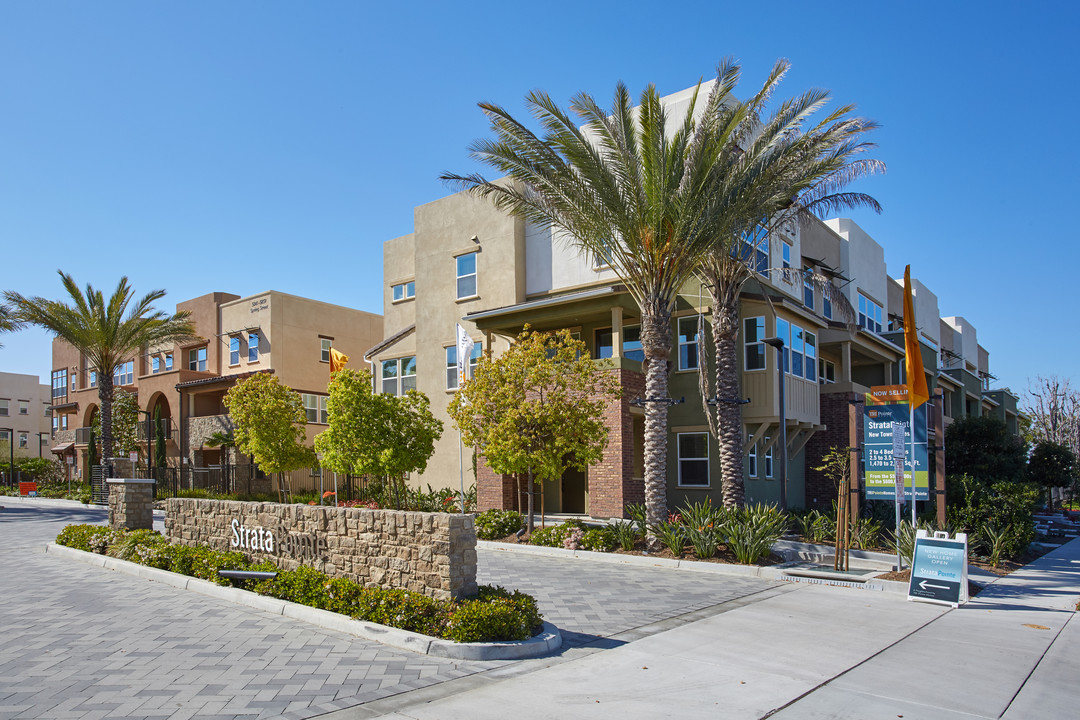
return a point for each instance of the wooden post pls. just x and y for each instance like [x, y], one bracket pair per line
[856, 458]
[939, 454]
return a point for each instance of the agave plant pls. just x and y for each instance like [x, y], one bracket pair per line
[625, 533]
[671, 535]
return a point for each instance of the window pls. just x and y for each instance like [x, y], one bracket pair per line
[753, 342]
[783, 331]
[93, 375]
[72, 380]
[4, 408]
[24, 440]
[800, 349]
[234, 350]
[253, 346]
[786, 251]
[751, 461]
[48, 410]
[63, 422]
[826, 306]
[155, 364]
[324, 349]
[124, 373]
[399, 376]
[827, 371]
[811, 357]
[168, 361]
[869, 314]
[688, 343]
[604, 344]
[55, 423]
[24, 407]
[797, 344]
[59, 383]
[755, 251]
[768, 460]
[466, 275]
[451, 364]
[808, 287]
[404, 291]
[315, 408]
[602, 259]
[197, 359]
[693, 459]
[631, 343]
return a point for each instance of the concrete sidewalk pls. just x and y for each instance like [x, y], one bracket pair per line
[816, 653]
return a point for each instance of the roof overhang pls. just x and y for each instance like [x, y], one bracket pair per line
[557, 310]
[62, 448]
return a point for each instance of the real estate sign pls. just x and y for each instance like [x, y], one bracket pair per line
[939, 569]
[886, 406]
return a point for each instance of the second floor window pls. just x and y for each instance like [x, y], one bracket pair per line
[808, 288]
[688, 343]
[93, 377]
[234, 350]
[786, 251]
[399, 376]
[753, 342]
[253, 346]
[800, 350]
[755, 252]
[315, 408]
[24, 407]
[451, 364]
[869, 314]
[466, 275]
[404, 291]
[59, 383]
[124, 374]
[155, 364]
[827, 371]
[168, 361]
[4, 407]
[324, 349]
[197, 359]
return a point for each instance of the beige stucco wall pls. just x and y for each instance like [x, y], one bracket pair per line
[37, 395]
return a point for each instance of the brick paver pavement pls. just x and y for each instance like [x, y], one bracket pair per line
[82, 642]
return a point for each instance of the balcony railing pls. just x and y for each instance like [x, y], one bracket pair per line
[82, 435]
[166, 429]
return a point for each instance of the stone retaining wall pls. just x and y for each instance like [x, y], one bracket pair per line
[429, 553]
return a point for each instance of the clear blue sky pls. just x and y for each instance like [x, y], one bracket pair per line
[245, 146]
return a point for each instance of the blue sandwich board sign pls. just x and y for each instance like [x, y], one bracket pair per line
[939, 569]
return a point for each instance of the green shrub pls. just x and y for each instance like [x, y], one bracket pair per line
[751, 532]
[304, 585]
[672, 535]
[625, 534]
[495, 614]
[1006, 505]
[866, 534]
[554, 535]
[703, 539]
[138, 544]
[80, 536]
[495, 524]
[636, 513]
[203, 562]
[598, 540]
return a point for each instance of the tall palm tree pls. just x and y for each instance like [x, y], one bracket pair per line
[7, 322]
[106, 332]
[631, 187]
[786, 166]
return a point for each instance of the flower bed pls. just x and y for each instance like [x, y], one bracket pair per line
[493, 615]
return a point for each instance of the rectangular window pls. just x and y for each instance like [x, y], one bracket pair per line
[797, 345]
[631, 343]
[404, 291]
[755, 251]
[155, 364]
[234, 350]
[63, 422]
[688, 343]
[390, 377]
[24, 407]
[197, 359]
[768, 460]
[124, 374]
[93, 374]
[869, 314]
[808, 287]
[783, 331]
[59, 383]
[315, 408]
[253, 346]
[55, 423]
[324, 349]
[399, 376]
[24, 440]
[4, 408]
[604, 344]
[751, 461]
[408, 374]
[48, 411]
[693, 459]
[811, 356]
[753, 342]
[826, 306]
[466, 275]
[827, 371]
[786, 251]
[451, 364]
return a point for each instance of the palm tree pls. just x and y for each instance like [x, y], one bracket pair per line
[106, 333]
[786, 166]
[7, 322]
[630, 187]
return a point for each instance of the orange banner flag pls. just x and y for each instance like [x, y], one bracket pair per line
[916, 376]
[337, 360]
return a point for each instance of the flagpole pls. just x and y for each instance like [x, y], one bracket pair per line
[911, 425]
[461, 470]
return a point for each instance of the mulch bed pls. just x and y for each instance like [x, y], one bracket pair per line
[722, 556]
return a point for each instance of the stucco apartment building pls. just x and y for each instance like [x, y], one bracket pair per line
[272, 331]
[467, 262]
[25, 416]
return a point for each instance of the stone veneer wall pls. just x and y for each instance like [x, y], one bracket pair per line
[131, 504]
[429, 553]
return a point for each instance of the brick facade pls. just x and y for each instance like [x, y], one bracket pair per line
[821, 491]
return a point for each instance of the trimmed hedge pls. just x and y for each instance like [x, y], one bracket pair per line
[495, 614]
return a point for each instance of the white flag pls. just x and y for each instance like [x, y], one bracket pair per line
[464, 352]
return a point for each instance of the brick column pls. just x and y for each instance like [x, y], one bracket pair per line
[131, 504]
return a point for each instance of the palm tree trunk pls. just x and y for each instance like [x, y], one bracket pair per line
[729, 426]
[105, 396]
[656, 346]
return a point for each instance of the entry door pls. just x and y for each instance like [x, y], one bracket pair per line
[573, 491]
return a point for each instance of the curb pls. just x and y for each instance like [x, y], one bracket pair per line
[549, 639]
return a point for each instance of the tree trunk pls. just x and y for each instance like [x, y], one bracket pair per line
[532, 523]
[729, 425]
[105, 396]
[656, 346]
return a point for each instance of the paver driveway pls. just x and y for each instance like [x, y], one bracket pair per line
[81, 642]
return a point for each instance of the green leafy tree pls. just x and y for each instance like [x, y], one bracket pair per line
[125, 423]
[632, 187]
[375, 433]
[106, 332]
[768, 172]
[983, 447]
[537, 409]
[1052, 465]
[269, 421]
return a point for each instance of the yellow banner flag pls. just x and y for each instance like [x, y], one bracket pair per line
[916, 376]
[337, 360]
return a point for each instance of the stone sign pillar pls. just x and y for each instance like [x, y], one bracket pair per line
[131, 504]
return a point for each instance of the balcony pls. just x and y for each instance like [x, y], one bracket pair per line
[82, 435]
[166, 429]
